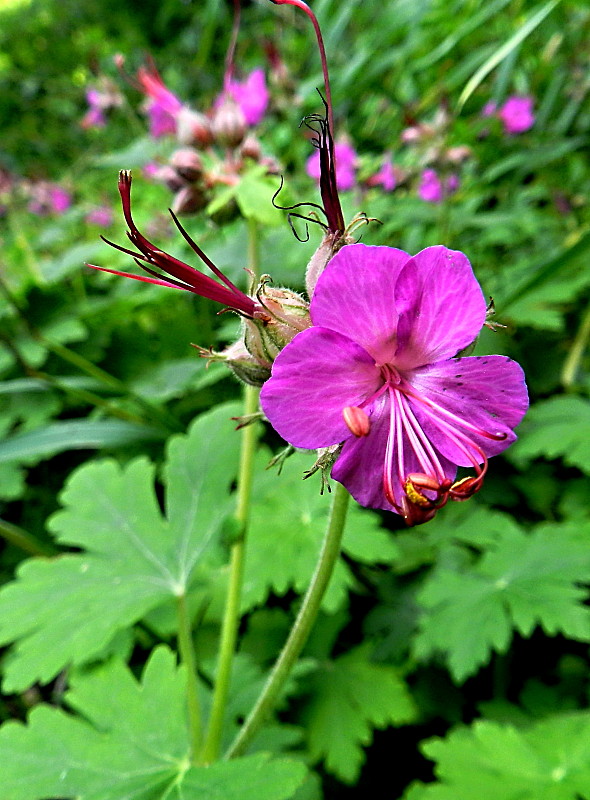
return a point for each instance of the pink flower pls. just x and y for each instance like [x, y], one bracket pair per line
[385, 177]
[433, 189]
[49, 198]
[94, 117]
[378, 372]
[101, 216]
[345, 161]
[517, 114]
[251, 95]
[163, 106]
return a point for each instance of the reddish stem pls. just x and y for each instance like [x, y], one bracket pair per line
[307, 10]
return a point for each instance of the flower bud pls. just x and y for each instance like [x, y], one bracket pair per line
[329, 246]
[285, 313]
[188, 200]
[187, 162]
[170, 177]
[229, 124]
[245, 366]
[193, 128]
[251, 148]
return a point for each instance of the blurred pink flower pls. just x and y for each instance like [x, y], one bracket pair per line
[345, 157]
[251, 95]
[489, 109]
[163, 106]
[94, 117]
[385, 177]
[517, 114]
[433, 189]
[101, 216]
[49, 198]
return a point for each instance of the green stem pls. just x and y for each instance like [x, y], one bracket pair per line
[572, 362]
[231, 619]
[26, 541]
[188, 659]
[302, 627]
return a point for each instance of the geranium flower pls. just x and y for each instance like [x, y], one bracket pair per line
[433, 189]
[378, 371]
[251, 95]
[385, 177]
[163, 106]
[517, 114]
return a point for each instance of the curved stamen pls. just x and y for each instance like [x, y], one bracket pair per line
[431, 458]
[407, 390]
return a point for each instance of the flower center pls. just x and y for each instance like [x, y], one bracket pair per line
[418, 494]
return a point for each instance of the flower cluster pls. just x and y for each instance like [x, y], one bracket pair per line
[371, 372]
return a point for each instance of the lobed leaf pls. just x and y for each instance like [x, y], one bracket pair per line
[128, 740]
[547, 761]
[65, 610]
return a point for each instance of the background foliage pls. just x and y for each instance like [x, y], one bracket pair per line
[452, 658]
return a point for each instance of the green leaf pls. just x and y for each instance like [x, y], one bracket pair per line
[86, 434]
[548, 761]
[352, 696]
[548, 430]
[524, 580]
[254, 194]
[499, 55]
[298, 515]
[65, 610]
[128, 740]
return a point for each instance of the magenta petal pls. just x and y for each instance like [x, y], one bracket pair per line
[487, 392]
[314, 378]
[441, 307]
[355, 295]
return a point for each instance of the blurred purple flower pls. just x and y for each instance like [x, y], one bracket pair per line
[517, 114]
[345, 162]
[101, 215]
[489, 109]
[385, 177]
[251, 95]
[94, 117]
[378, 373]
[433, 189]
[48, 198]
[163, 106]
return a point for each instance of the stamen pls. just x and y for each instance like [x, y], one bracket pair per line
[357, 421]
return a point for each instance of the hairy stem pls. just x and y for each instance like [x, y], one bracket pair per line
[302, 627]
[231, 619]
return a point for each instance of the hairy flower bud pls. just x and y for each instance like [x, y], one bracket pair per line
[229, 124]
[187, 162]
[193, 128]
[284, 314]
[329, 246]
[245, 366]
[188, 200]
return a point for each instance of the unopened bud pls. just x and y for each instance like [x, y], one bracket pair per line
[187, 162]
[357, 421]
[245, 366]
[170, 177]
[193, 128]
[285, 313]
[229, 124]
[251, 148]
[329, 246]
[188, 200]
